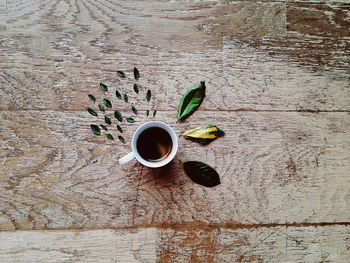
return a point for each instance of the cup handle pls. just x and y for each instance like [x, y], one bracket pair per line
[127, 158]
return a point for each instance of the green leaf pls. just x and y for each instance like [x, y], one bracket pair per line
[103, 87]
[121, 139]
[108, 120]
[92, 98]
[147, 112]
[118, 115]
[109, 136]
[121, 74]
[119, 128]
[126, 98]
[107, 103]
[204, 134]
[191, 100]
[134, 110]
[117, 93]
[95, 129]
[92, 112]
[130, 120]
[148, 95]
[103, 127]
[154, 113]
[136, 89]
[136, 74]
[101, 107]
[201, 173]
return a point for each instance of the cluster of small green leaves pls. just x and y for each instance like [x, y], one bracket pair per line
[107, 104]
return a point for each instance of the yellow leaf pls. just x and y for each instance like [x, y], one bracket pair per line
[204, 134]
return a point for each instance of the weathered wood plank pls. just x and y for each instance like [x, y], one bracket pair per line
[318, 19]
[329, 2]
[240, 76]
[56, 70]
[316, 36]
[285, 187]
[326, 26]
[124, 246]
[321, 56]
[278, 244]
[62, 65]
[275, 167]
[255, 80]
[173, 20]
[3, 16]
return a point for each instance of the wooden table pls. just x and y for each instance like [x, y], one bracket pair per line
[277, 76]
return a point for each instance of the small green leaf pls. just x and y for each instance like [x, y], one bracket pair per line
[201, 173]
[191, 100]
[130, 120]
[103, 87]
[101, 107]
[92, 98]
[118, 115]
[117, 93]
[108, 120]
[136, 89]
[136, 74]
[92, 112]
[148, 95]
[109, 136]
[204, 134]
[134, 110]
[103, 127]
[107, 103]
[147, 112]
[121, 139]
[154, 113]
[95, 129]
[121, 74]
[126, 98]
[119, 128]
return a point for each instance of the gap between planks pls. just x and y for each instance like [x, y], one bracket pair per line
[191, 225]
[174, 110]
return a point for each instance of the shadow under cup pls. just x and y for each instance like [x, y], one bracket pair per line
[154, 144]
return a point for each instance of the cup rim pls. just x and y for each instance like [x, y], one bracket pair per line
[167, 128]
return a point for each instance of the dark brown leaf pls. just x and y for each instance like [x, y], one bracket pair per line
[201, 173]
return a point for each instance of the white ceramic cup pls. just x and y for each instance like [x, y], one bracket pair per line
[134, 154]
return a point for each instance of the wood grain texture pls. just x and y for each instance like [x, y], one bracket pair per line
[72, 246]
[141, 18]
[237, 77]
[68, 64]
[277, 76]
[324, 20]
[274, 168]
[226, 44]
[280, 244]
[277, 244]
[3, 15]
[316, 37]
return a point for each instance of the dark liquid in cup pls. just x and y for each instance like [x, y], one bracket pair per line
[154, 144]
